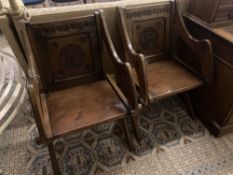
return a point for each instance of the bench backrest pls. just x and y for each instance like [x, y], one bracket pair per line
[66, 52]
[149, 28]
[158, 31]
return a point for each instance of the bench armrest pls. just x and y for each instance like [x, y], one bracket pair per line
[123, 70]
[202, 48]
[138, 60]
[38, 102]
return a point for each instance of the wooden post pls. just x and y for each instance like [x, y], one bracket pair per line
[18, 9]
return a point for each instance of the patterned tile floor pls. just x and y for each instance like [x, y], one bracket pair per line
[174, 144]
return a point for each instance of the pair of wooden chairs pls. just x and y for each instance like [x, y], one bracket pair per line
[67, 84]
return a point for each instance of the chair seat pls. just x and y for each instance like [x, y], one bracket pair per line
[167, 78]
[83, 106]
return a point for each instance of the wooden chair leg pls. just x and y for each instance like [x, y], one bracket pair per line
[136, 128]
[147, 110]
[127, 134]
[40, 141]
[53, 158]
[42, 138]
[189, 105]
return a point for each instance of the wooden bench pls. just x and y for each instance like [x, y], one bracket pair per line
[149, 35]
[122, 82]
[67, 85]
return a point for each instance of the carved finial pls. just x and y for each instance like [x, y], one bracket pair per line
[18, 9]
[3, 10]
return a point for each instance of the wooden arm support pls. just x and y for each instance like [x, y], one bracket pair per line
[138, 60]
[123, 70]
[39, 105]
[202, 48]
[117, 90]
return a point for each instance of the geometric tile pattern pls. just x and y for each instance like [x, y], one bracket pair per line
[194, 158]
[173, 144]
[103, 147]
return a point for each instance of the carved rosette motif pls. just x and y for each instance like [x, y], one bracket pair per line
[149, 38]
[72, 56]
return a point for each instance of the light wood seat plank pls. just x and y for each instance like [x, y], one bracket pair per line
[82, 106]
[167, 78]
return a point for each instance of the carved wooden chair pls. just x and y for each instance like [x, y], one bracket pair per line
[151, 47]
[67, 85]
[122, 81]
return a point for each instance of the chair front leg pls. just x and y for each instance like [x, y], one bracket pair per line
[189, 105]
[134, 116]
[127, 134]
[56, 169]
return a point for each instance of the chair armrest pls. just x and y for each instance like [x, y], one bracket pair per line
[117, 89]
[138, 60]
[123, 70]
[38, 105]
[202, 48]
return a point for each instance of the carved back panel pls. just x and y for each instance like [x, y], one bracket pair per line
[149, 28]
[66, 52]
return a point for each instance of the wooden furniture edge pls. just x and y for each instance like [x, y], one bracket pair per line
[138, 60]
[125, 69]
[202, 48]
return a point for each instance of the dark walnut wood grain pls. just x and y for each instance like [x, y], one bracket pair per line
[171, 79]
[156, 73]
[83, 106]
[214, 103]
[66, 52]
[67, 86]
[124, 86]
[213, 12]
[148, 29]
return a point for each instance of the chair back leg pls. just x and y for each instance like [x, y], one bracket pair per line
[56, 169]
